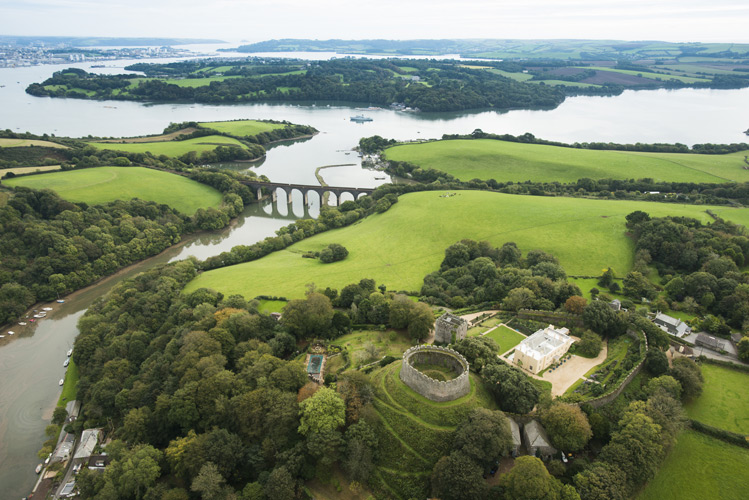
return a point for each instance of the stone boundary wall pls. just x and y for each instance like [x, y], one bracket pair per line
[607, 398]
[436, 390]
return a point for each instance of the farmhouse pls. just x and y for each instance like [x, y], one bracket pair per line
[543, 348]
[710, 342]
[536, 440]
[670, 325]
[448, 325]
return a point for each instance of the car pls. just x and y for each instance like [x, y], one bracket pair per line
[564, 458]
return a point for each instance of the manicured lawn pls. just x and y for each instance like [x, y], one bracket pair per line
[242, 128]
[105, 184]
[401, 246]
[700, 467]
[724, 401]
[517, 162]
[172, 148]
[507, 338]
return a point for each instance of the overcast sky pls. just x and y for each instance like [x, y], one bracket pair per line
[256, 20]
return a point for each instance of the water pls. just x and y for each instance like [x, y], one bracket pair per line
[31, 361]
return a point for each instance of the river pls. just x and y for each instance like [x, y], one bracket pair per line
[31, 362]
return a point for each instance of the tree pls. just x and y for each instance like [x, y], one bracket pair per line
[59, 415]
[567, 426]
[324, 411]
[509, 254]
[518, 298]
[209, 482]
[136, 471]
[511, 388]
[575, 304]
[309, 317]
[688, 373]
[457, 477]
[529, 480]
[589, 345]
[636, 285]
[743, 348]
[656, 362]
[484, 436]
[601, 481]
[420, 321]
[478, 351]
[400, 308]
[607, 278]
[599, 317]
[664, 383]
[636, 217]
[333, 253]
[280, 485]
[636, 448]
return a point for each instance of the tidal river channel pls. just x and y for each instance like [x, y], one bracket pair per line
[31, 362]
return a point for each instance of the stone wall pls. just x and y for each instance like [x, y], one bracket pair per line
[436, 390]
[609, 397]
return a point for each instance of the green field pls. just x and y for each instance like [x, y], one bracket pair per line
[507, 338]
[518, 162]
[389, 343]
[724, 402]
[241, 128]
[14, 143]
[651, 76]
[105, 184]
[564, 83]
[172, 148]
[401, 246]
[698, 468]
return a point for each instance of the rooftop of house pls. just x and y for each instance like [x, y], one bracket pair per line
[535, 434]
[544, 342]
[665, 318]
[708, 341]
[452, 319]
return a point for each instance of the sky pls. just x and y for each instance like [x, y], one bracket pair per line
[257, 20]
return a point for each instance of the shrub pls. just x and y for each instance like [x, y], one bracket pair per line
[333, 253]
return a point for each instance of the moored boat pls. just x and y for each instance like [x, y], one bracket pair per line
[38, 468]
[62, 381]
[70, 352]
[361, 118]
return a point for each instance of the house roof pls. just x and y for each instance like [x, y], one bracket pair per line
[708, 341]
[665, 318]
[515, 430]
[544, 341]
[536, 435]
[89, 440]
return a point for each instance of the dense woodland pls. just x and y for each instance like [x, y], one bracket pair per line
[447, 87]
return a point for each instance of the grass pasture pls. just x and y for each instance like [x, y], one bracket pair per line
[518, 162]
[17, 143]
[28, 170]
[173, 149]
[104, 184]
[700, 467]
[389, 343]
[401, 246]
[242, 128]
[724, 402]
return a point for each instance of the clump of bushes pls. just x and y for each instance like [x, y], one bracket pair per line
[333, 253]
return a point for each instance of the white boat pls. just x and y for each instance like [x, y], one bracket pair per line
[21, 324]
[62, 381]
[70, 352]
[46, 308]
[11, 332]
[361, 118]
[38, 316]
[60, 301]
[38, 468]
[2, 336]
[66, 363]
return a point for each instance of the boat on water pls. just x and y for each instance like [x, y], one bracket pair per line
[66, 363]
[60, 301]
[21, 324]
[70, 352]
[38, 468]
[361, 118]
[62, 381]
[11, 332]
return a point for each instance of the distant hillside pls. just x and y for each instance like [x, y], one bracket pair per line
[89, 41]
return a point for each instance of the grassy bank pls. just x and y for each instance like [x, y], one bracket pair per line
[518, 162]
[70, 387]
[105, 184]
[401, 246]
[173, 149]
[242, 128]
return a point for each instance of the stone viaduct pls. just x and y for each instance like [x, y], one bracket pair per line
[259, 186]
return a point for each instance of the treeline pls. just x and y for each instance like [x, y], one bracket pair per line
[700, 265]
[529, 138]
[51, 247]
[450, 86]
